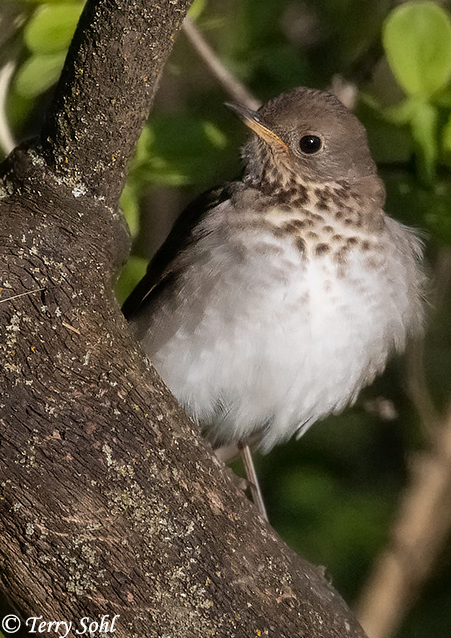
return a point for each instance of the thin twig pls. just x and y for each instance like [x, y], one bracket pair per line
[22, 294]
[418, 537]
[69, 327]
[346, 92]
[229, 82]
[418, 390]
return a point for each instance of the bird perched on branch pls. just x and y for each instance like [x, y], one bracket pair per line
[276, 298]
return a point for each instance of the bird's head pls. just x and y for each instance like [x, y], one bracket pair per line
[308, 134]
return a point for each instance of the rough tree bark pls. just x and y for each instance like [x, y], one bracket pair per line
[110, 502]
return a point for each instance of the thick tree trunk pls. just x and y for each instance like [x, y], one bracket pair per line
[110, 503]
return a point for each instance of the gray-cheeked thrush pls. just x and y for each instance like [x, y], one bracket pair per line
[276, 298]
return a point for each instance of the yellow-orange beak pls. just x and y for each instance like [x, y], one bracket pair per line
[252, 120]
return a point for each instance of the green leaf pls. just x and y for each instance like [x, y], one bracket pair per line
[38, 74]
[417, 41]
[197, 8]
[51, 28]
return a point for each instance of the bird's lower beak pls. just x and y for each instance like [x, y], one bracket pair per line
[252, 120]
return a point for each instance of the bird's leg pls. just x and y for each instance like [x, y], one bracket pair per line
[251, 475]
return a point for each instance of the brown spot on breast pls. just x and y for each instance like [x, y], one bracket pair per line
[322, 204]
[366, 245]
[285, 208]
[343, 191]
[294, 225]
[324, 197]
[300, 244]
[352, 241]
[303, 223]
[268, 188]
[322, 249]
[300, 201]
[337, 238]
[328, 229]
[286, 196]
[302, 194]
[290, 227]
[312, 235]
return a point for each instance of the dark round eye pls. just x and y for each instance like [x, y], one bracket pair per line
[310, 144]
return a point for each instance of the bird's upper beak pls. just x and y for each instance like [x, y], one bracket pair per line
[252, 120]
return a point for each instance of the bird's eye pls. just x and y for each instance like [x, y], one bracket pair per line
[310, 144]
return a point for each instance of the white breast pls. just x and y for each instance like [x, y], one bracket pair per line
[264, 336]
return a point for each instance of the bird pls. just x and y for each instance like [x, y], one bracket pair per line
[277, 297]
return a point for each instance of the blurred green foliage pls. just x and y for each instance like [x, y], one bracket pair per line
[417, 42]
[332, 494]
[47, 36]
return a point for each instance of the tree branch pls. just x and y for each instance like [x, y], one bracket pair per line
[89, 134]
[417, 538]
[236, 89]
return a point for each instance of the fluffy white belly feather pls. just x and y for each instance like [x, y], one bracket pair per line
[281, 340]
